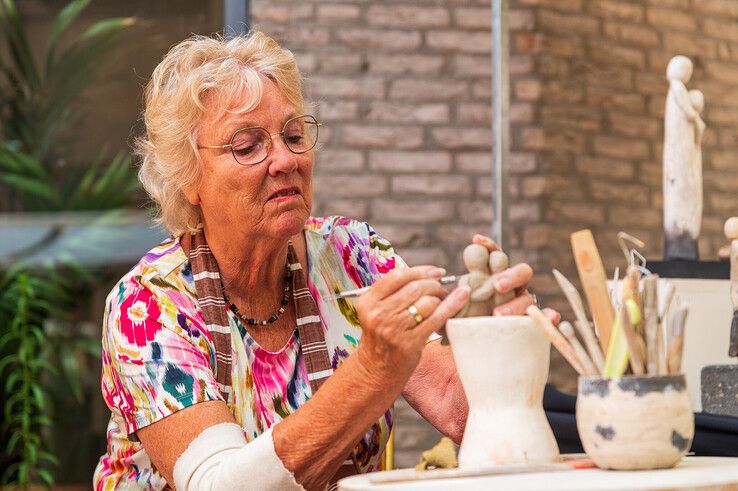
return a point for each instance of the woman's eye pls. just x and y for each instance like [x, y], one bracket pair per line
[246, 150]
[294, 139]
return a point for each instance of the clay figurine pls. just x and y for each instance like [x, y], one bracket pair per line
[483, 267]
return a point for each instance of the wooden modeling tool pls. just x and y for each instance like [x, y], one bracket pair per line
[629, 333]
[731, 232]
[661, 334]
[594, 283]
[568, 331]
[676, 338]
[582, 322]
[623, 344]
[651, 322]
[556, 338]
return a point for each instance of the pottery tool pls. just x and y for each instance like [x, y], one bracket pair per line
[556, 338]
[664, 303]
[665, 299]
[731, 232]
[651, 322]
[594, 283]
[358, 291]
[582, 322]
[676, 338]
[624, 342]
[628, 329]
[568, 331]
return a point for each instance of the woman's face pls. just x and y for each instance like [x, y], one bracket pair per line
[269, 199]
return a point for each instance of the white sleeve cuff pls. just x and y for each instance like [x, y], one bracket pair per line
[219, 458]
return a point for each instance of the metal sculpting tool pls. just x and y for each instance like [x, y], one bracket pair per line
[445, 280]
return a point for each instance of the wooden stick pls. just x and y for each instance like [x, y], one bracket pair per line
[664, 303]
[594, 283]
[665, 300]
[582, 322]
[636, 361]
[568, 331]
[651, 322]
[556, 338]
[676, 338]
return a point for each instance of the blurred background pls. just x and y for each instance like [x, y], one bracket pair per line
[405, 89]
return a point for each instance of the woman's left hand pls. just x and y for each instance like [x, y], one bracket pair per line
[515, 278]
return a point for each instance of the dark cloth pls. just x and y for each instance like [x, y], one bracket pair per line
[713, 435]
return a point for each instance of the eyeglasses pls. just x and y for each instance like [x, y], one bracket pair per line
[250, 146]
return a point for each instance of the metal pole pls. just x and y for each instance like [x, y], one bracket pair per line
[500, 121]
[236, 17]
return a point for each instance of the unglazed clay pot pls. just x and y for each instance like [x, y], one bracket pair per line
[503, 366]
[633, 423]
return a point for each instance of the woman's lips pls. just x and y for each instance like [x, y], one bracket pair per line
[285, 194]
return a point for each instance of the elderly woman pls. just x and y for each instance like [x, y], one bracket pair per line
[227, 363]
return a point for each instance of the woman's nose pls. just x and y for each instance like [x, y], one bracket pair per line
[281, 158]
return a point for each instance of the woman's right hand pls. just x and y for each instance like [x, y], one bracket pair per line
[392, 339]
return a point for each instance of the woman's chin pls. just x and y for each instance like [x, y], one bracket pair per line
[290, 222]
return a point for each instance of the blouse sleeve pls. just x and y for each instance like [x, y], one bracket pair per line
[155, 358]
[382, 256]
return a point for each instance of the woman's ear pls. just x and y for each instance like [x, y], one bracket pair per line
[192, 194]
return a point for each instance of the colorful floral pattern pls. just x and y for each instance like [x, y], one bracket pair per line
[157, 353]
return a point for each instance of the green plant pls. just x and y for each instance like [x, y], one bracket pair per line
[39, 103]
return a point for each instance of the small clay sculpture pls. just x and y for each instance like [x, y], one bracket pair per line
[483, 267]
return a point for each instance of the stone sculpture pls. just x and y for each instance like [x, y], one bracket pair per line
[483, 267]
[682, 160]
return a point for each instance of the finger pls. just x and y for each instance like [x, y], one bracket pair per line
[397, 278]
[413, 291]
[425, 305]
[486, 242]
[553, 315]
[516, 306]
[449, 307]
[515, 277]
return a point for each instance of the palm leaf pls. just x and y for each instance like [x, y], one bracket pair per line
[62, 22]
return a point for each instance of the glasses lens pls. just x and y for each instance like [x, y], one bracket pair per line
[250, 146]
[301, 134]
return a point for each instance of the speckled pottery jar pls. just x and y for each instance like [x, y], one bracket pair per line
[503, 365]
[631, 423]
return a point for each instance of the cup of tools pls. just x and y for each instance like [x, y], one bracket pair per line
[635, 422]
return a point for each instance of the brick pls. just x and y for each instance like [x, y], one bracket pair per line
[414, 89]
[354, 88]
[417, 256]
[520, 19]
[581, 213]
[339, 12]
[474, 162]
[723, 160]
[389, 39]
[563, 5]
[630, 216]
[527, 89]
[404, 63]
[721, 29]
[566, 47]
[564, 91]
[638, 35]
[604, 191]
[484, 188]
[304, 36]
[556, 140]
[524, 212]
[393, 112]
[610, 54]
[624, 148]
[689, 45]
[527, 42]
[536, 235]
[460, 41]
[601, 167]
[407, 16]
[522, 162]
[430, 185]
[474, 112]
[679, 4]
[521, 112]
[635, 126]
[568, 24]
[609, 9]
[476, 211]
[530, 139]
[519, 65]
[474, 18]
[407, 161]
[386, 136]
[350, 185]
[412, 211]
[651, 84]
[459, 235]
[341, 62]
[553, 67]
[728, 116]
[267, 11]
[721, 202]
[721, 181]
[352, 207]
[334, 111]
[671, 19]
[573, 117]
[306, 62]
[472, 65]
[727, 8]
[608, 99]
[722, 72]
[331, 160]
[482, 90]
[455, 137]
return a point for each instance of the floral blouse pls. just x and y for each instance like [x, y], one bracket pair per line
[157, 353]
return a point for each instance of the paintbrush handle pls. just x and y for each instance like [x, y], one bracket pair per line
[651, 322]
[676, 339]
[556, 338]
[445, 280]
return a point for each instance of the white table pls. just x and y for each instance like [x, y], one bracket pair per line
[693, 473]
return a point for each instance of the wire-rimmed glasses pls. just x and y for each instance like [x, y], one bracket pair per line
[250, 146]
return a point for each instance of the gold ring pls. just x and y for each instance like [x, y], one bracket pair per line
[415, 313]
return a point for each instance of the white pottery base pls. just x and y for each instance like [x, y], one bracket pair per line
[503, 366]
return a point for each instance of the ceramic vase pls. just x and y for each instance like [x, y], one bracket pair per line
[503, 366]
[631, 423]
